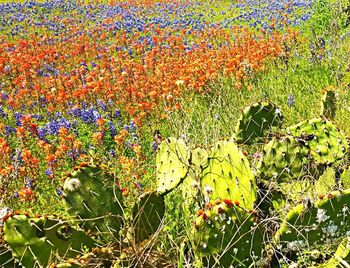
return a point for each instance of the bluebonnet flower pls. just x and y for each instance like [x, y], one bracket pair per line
[112, 153]
[18, 117]
[29, 183]
[290, 100]
[59, 192]
[112, 129]
[48, 172]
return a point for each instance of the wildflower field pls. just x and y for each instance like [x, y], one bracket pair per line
[175, 133]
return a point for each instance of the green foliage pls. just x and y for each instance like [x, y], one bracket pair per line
[227, 175]
[257, 122]
[226, 235]
[172, 164]
[90, 195]
[148, 214]
[35, 241]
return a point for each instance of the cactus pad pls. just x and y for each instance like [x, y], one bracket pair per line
[226, 235]
[89, 194]
[341, 255]
[326, 183]
[172, 164]
[6, 258]
[329, 104]
[327, 144]
[148, 214]
[345, 179]
[227, 175]
[257, 121]
[199, 158]
[322, 222]
[34, 241]
[283, 159]
[190, 187]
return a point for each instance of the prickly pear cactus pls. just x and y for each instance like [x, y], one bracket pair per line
[283, 159]
[327, 144]
[345, 179]
[309, 225]
[148, 214]
[326, 183]
[6, 258]
[341, 256]
[227, 175]
[34, 241]
[226, 234]
[329, 104]
[190, 186]
[89, 194]
[257, 121]
[199, 159]
[172, 164]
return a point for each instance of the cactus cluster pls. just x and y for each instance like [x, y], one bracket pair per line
[36, 241]
[307, 225]
[292, 183]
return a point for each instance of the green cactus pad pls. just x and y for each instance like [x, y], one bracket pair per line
[6, 258]
[225, 235]
[227, 175]
[327, 144]
[34, 241]
[326, 183]
[89, 194]
[283, 159]
[323, 222]
[172, 164]
[190, 187]
[257, 121]
[345, 179]
[148, 214]
[329, 104]
[341, 257]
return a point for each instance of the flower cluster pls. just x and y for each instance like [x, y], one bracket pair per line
[82, 79]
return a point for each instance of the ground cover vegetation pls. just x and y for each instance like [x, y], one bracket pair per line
[175, 133]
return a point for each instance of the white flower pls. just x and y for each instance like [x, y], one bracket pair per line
[330, 229]
[208, 190]
[179, 82]
[72, 185]
[321, 215]
[295, 245]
